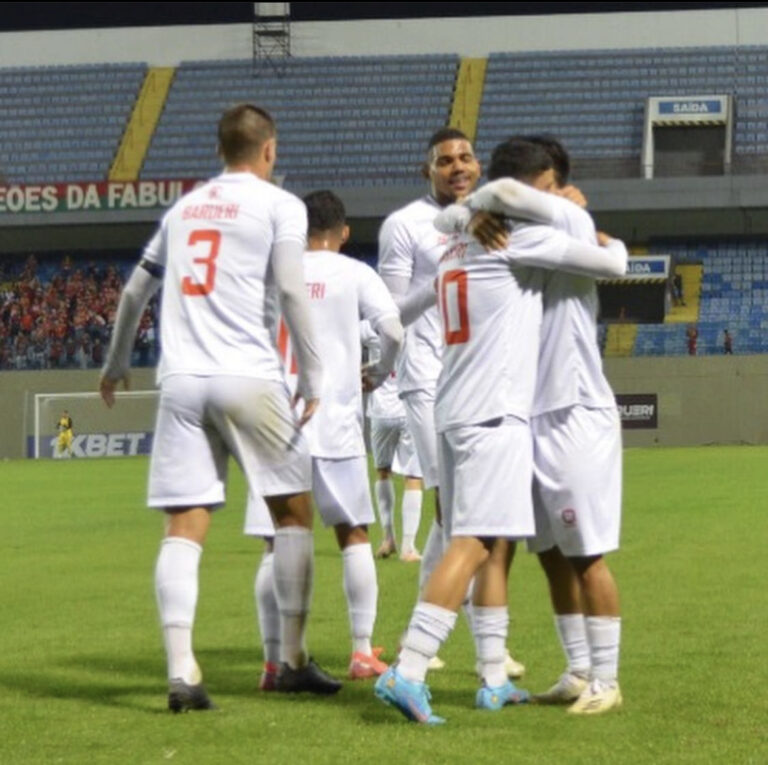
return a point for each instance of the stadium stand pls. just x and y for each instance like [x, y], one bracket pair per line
[734, 296]
[64, 124]
[342, 121]
[594, 100]
[57, 312]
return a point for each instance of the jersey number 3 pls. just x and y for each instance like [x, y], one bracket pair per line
[212, 238]
[453, 302]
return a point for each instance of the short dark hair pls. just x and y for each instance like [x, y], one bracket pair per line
[325, 211]
[243, 130]
[446, 134]
[516, 158]
[556, 150]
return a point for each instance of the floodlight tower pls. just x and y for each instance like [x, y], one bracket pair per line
[271, 36]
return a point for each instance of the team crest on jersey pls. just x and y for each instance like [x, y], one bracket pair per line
[569, 516]
[214, 193]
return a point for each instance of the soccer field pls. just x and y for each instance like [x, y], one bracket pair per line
[82, 670]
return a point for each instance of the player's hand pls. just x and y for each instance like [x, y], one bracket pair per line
[310, 407]
[573, 194]
[489, 229]
[108, 386]
[603, 239]
[371, 378]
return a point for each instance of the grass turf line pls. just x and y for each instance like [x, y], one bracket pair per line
[82, 667]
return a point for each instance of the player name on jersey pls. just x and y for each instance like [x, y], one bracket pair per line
[211, 212]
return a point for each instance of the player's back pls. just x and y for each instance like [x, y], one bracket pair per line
[216, 246]
[341, 291]
[570, 368]
[491, 315]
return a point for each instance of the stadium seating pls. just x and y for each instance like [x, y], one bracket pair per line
[346, 121]
[594, 100]
[734, 296]
[61, 124]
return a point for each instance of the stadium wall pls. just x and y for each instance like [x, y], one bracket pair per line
[703, 400]
[474, 36]
[16, 399]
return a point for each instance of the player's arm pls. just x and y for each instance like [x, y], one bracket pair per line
[288, 272]
[142, 284]
[544, 247]
[379, 308]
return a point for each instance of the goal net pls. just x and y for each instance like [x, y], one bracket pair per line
[123, 431]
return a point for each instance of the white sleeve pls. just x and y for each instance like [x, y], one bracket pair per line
[139, 288]
[156, 251]
[453, 219]
[544, 247]
[290, 220]
[395, 250]
[288, 270]
[416, 302]
[514, 199]
[377, 305]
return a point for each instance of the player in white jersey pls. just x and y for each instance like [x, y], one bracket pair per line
[409, 250]
[577, 447]
[491, 310]
[393, 451]
[342, 291]
[216, 254]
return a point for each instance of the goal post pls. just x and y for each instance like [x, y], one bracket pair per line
[124, 430]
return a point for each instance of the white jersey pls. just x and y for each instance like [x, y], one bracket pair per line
[383, 403]
[410, 248]
[490, 306]
[342, 291]
[215, 244]
[570, 368]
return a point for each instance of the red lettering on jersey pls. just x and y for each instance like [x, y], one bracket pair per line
[316, 290]
[211, 212]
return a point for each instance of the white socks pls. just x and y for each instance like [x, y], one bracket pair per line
[293, 565]
[411, 519]
[429, 629]
[267, 610]
[490, 625]
[572, 631]
[362, 592]
[433, 551]
[176, 590]
[385, 502]
[604, 635]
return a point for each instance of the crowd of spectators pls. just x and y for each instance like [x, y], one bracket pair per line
[58, 313]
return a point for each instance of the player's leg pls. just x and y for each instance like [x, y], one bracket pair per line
[258, 523]
[579, 452]
[343, 500]
[187, 476]
[420, 418]
[383, 443]
[407, 463]
[274, 456]
[490, 624]
[361, 591]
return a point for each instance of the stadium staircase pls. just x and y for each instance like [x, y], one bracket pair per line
[467, 96]
[688, 313]
[141, 126]
[620, 339]
[61, 124]
[346, 121]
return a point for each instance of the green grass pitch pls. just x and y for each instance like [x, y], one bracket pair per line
[82, 672]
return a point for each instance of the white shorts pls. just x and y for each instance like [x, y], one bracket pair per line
[393, 447]
[420, 416]
[577, 487]
[258, 519]
[485, 480]
[341, 492]
[202, 420]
